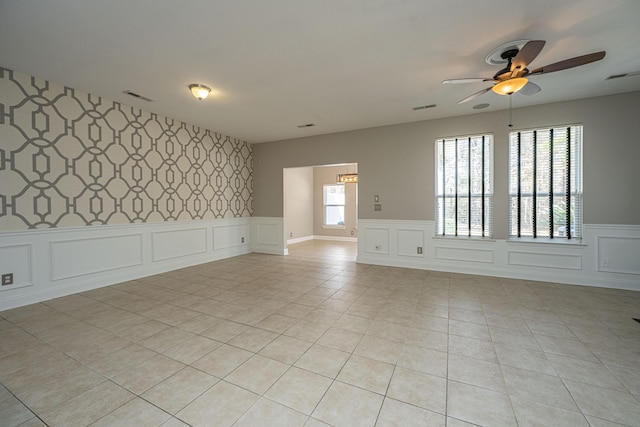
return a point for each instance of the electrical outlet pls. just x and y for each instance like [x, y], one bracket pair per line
[7, 279]
[419, 250]
[242, 240]
[377, 207]
[290, 234]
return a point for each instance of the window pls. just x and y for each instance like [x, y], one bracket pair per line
[464, 186]
[334, 199]
[545, 183]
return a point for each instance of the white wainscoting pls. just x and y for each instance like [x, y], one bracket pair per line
[56, 262]
[52, 263]
[607, 256]
[267, 234]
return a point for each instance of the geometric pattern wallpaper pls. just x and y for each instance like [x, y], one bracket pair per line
[71, 159]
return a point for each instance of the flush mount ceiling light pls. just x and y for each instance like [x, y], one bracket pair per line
[200, 91]
[508, 87]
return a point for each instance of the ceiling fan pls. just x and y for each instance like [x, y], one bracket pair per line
[514, 76]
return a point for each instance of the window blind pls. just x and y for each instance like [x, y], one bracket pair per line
[464, 186]
[545, 183]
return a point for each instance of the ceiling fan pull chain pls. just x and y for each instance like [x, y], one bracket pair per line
[510, 111]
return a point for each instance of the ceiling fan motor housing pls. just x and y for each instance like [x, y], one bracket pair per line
[505, 73]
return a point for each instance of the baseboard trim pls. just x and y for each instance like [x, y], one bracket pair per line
[299, 240]
[335, 238]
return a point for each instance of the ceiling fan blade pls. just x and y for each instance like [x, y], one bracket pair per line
[470, 80]
[475, 95]
[570, 63]
[528, 53]
[529, 89]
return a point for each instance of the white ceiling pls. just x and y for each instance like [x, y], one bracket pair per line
[340, 64]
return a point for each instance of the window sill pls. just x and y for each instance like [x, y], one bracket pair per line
[547, 241]
[334, 227]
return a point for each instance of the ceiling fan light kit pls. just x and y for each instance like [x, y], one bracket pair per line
[510, 86]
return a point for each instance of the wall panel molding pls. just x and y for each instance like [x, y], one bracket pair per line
[91, 255]
[545, 260]
[178, 243]
[408, 241]
[267, 235]
[464, 254]
[376, 240]
[619, 254]
[230, 236]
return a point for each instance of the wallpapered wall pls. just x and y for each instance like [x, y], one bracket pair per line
[70, 159]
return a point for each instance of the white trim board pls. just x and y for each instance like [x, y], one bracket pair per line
[300, 240]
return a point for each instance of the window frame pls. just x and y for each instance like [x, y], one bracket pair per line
[572, 193]
[325, 205]
[485, 195]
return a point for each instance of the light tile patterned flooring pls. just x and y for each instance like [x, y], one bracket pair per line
[313, 339]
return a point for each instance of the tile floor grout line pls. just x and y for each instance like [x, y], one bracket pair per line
[374, 290]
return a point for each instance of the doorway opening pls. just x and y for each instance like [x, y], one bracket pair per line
[317, 207]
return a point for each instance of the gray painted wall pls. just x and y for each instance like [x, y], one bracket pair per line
[298, 202]
[397, 162]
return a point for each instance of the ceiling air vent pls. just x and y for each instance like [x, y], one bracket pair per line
[424, 107]
[480, 106]
[618, 76]
[308, 125]
[137, 95]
